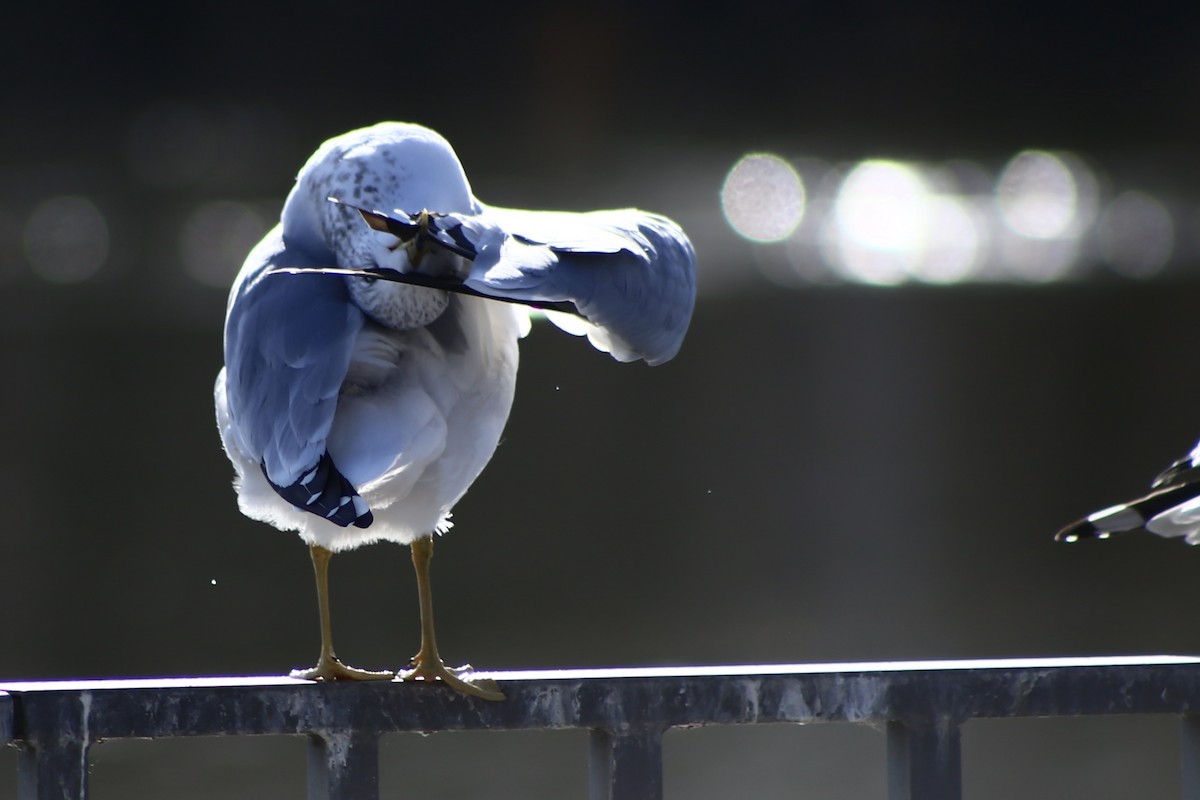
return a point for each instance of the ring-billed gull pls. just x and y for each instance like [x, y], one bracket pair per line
[1170, 509]
[369, 367]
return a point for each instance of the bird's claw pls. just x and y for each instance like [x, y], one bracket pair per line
[460, 679]
[332, 669]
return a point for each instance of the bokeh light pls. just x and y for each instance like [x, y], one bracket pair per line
[880, 221]
[1087, 192]
[66, 239]
[1136, 235]
[1031, 260]
[957, 236]
[763, 198]
[215, 239]
[887, 222]
[1037, 195]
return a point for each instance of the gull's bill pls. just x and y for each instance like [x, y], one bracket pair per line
[425, 226]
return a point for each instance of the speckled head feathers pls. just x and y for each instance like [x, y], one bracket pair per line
[392, 166]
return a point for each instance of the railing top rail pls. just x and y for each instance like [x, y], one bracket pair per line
[634, 673]
[610, 699]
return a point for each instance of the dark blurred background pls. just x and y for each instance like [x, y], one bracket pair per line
[945, 308]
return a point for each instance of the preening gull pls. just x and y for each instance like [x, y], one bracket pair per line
[371, 347]
[1170, 509]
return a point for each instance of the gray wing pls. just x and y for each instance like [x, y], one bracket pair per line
[625, 278]
[630, 274]
[288, 342]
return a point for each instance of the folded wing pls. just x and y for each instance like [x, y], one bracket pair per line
[283, 373]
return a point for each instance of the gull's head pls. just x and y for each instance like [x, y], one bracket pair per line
[392, 167]
[395, 168]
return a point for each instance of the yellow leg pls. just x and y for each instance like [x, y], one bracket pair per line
[329, 667]
[427, 664]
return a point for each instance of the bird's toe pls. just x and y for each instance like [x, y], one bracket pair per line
[461, 679]
[332, 669]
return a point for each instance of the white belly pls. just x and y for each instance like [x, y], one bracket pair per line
[418, 419]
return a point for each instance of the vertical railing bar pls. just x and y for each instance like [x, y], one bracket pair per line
[6, 718]
[924, 759]
[1189, 761]
[52, 773]
[342, 765]
[627, 764]
[53, 763]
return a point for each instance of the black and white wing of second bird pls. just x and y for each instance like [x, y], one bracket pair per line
[1171, 508]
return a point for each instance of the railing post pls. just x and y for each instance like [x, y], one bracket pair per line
[1189, 752]
[52, 760]
[342, 766]
[924, 759]
[57, 772]
[626, 765]
[6, 718]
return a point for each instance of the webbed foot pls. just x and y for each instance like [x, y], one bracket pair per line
[460, 679]
[331, 668]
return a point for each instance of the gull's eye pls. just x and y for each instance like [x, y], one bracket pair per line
[368, 279]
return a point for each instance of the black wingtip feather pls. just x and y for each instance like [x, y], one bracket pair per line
[323, 490]
[1131, 516]
[1079, 531]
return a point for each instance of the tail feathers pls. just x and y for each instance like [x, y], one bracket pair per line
[1155, 512]
[324, 491]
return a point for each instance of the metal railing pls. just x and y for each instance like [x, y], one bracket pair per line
[922, 704]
